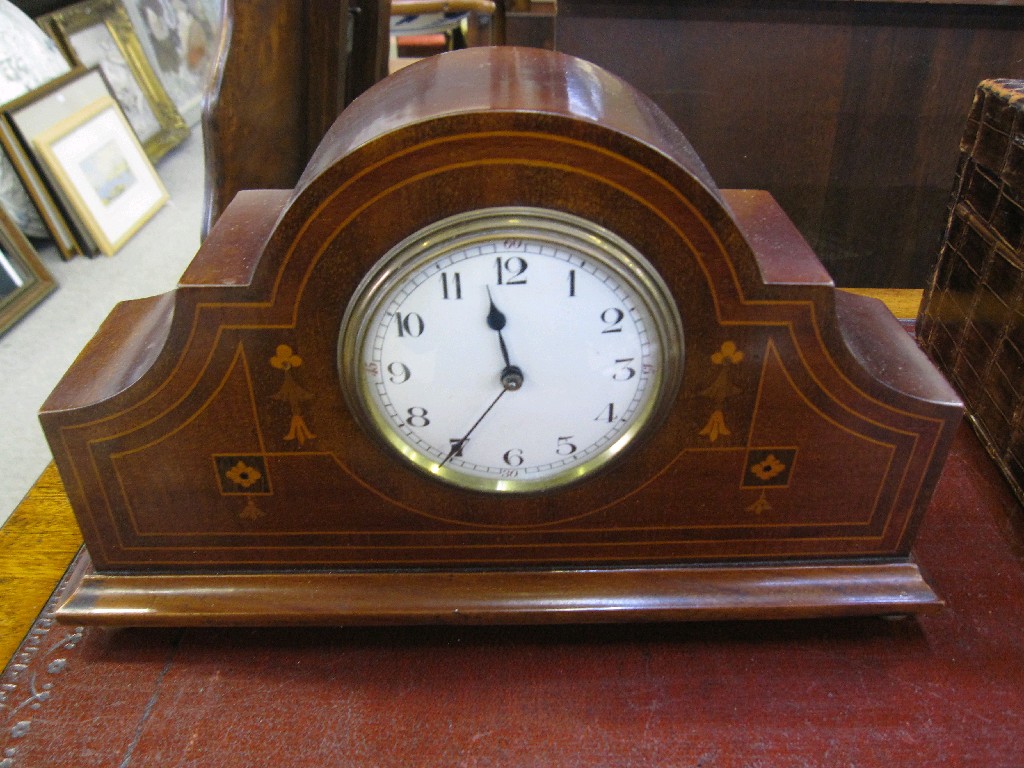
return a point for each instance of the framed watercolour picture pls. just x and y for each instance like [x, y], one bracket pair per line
[15, 137]
[98, 33]
[103, 170]
[18, 164]
[24, 281]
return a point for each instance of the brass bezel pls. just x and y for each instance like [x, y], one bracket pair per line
[565, 230]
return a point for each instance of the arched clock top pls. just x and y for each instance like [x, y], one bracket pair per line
[505, 322]
[492, 81]
[510, 126]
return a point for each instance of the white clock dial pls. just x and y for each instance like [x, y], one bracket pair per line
[510, 350]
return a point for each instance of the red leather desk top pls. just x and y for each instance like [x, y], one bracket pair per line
[939, 690]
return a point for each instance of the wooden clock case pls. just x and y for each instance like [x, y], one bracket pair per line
[219, 477]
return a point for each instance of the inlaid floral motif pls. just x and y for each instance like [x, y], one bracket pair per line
[244, 475]
[721, 389]
[286, 360]
[768, 467]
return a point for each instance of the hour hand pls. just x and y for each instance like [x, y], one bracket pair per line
[495, 317]
[511, 375]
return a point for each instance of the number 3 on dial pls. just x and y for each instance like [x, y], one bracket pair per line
[511, 350]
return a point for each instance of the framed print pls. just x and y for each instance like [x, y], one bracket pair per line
[98, 33]
[104, 171]
[180, 40]
[21, 170]
[24, 281]
[28, 59]
[36, 113]
[57, 99]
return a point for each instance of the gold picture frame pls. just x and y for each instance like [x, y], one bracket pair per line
[99, 33]
[24, 281]
[180, 40]
[96, 159]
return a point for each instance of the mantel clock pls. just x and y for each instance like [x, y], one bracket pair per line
[505, 354]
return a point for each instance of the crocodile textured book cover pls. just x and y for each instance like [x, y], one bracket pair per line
[972, 318]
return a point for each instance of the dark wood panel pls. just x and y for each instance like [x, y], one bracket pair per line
[849, 113]
[282, 77]
[530, 24]
[258, 102]
[369, 57]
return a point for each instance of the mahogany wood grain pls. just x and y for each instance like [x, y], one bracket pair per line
[791, 396]
[40, 538]
[254, 117]
[596, 596]
[282, 75]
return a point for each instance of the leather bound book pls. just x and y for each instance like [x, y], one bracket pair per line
[971, 320]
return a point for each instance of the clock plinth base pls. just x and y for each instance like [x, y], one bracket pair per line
[519, 597]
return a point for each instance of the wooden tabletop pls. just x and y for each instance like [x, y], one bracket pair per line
[36, 545]
[41, 537]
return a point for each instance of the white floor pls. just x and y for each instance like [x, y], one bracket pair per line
[36, 352]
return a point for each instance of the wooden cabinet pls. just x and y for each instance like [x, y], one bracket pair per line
[848, 112]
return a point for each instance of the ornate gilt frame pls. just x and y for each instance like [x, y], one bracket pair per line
[64, 24]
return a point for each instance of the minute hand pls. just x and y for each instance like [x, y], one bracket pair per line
[458, 445]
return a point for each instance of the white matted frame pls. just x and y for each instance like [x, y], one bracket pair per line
[96, 159]
[63, 228]
[39, 111]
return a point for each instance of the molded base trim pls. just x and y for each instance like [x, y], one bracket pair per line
[693, 593]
